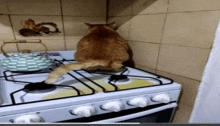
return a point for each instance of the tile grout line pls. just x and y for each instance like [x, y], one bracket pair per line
[194, 11]
[168, 44]
[114, 16]
[129, 24]
[156, 71]
[49, 15]
[166, 13]
[117, 16]
[162, 36]
[64, 38]
[139, 65]
[176, 75]
[107, 4]
[9, 16]
[185, 46]
[137, 15]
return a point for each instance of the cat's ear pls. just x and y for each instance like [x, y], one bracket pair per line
[90, 25]
[110, 24]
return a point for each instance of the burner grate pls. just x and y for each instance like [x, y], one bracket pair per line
[114, 78]
[122, 74]
[34, 87]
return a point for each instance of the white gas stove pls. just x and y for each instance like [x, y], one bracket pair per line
[82, 96]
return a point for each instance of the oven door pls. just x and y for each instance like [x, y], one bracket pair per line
[156, 115]
[152, 114]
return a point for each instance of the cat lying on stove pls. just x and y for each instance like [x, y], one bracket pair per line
[102, 49]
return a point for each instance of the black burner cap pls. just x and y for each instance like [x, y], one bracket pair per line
[39, 87]
[118, 77]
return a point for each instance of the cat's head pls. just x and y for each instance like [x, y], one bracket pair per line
[108, 26]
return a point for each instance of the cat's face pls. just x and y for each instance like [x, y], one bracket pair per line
[93, 27]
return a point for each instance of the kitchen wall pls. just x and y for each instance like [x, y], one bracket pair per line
[172, 38]
[68, 15]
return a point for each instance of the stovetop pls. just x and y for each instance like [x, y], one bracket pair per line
[23, 88]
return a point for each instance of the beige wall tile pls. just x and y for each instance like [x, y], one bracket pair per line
[195, 29]
[193, 5]
[182, 115]
[3, 7]
[71, 44]
[145, 68]
[187, 98]
[75, 27]
[189, 87]
[8, 48]
[185, 61]
[5, 28]
[35, 7]
[52, 45]
[144, 54]
[119, 7]
[147, 28]
[84, 7]
[18, 22]
[123, 24]
[34, 47]
[149, 6]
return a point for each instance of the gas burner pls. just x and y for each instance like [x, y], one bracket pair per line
[40, 87]
[119, 78]
[26, 72]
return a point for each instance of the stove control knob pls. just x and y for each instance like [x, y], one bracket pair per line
[85, 111]
[163, 98]
[114, 106]
[139, 102]
[28, 119]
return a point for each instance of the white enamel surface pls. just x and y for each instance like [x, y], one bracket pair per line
[163, 98]
[114, 106]
[28, 119]
[85, 111]
[63, 106]
[139, 102]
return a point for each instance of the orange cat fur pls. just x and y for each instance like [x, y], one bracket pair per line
[103, 48]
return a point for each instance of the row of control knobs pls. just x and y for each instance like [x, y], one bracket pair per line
[114, 106]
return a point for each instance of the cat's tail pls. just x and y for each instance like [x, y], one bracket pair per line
[62, 70]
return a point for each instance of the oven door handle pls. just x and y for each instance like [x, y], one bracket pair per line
[136, 115]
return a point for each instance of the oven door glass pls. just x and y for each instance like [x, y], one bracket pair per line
[163, 116]
[153, 114]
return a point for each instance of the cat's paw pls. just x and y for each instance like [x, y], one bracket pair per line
[52, 78]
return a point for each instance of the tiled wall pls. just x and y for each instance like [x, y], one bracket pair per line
[69, 15]
[172, 38]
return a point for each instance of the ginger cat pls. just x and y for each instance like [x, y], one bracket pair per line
[103, 48]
